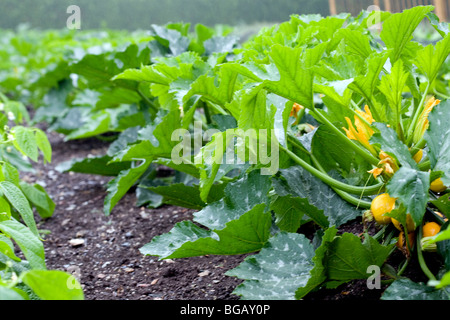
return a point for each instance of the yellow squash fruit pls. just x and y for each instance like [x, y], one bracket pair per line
[381, 205]
[410, 226]
[418, 156]
[430, 229]
[401, 243]
[438, 186]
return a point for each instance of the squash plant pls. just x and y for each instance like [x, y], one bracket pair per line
[348, 114]
[350, 111]
[23, 274]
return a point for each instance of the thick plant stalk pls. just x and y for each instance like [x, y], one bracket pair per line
[333, 182]
[362, 152]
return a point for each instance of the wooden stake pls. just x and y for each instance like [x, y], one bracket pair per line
[440, 9]
[333, 10]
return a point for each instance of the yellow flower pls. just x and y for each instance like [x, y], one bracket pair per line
[295, 109]
[423, 122]
[363, 131]
[387, 163]
[376, 172]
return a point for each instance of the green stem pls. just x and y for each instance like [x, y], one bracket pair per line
[441, 94]
[419, 145]
[425, 166]
[344, 195]
[356, 107]
[388, 238]
[147, 100]
[359, 150]
[378, 235]
[420, 257]
[207, 113]
[330, 181]
[300, 115]
[216, 107]
[418, 111]
[403, 267]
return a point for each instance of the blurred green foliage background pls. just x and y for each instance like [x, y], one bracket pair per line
[138, 14]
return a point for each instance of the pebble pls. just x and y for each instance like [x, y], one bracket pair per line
[128, 235]
[71, 207]
[144, 215]
[204, 273]
[76, 242]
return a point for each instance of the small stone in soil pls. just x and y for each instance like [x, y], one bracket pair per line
[204, 273]
[76, 242]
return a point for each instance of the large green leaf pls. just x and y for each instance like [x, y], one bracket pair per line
[296, 77]
[18, 200]
[398, 30]
[392, 86]
[30, 244]
[205, 86]
[40, 199]
[121, 184]
[438, 140]
[366, 83]
[165, 245]
[389, 142]
[327, 148]
[248, 233]
[348, 258]
[319, 273]
[99, 165]
[174, 40]
[430, 59]
[10, 294]
[240, 196]
[155, 140]
[405, 289]
[97, 123]
[410, 187]
[237, 223]
[53, 285]
[181, 195]
[298, 182]
[283, 265]
[441, 27]
[290, 212]
[25, 142]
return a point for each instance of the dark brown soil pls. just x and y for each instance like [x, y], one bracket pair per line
[108, 262]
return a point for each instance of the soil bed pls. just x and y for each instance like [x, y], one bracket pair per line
[103, 251]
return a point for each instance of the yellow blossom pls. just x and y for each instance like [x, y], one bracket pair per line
[387, 165]
[423, 122]
[295, 109]
[363, 131]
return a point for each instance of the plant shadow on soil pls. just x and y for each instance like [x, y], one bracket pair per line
[103, 251]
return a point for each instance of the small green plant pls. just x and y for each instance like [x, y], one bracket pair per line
[23, 274]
